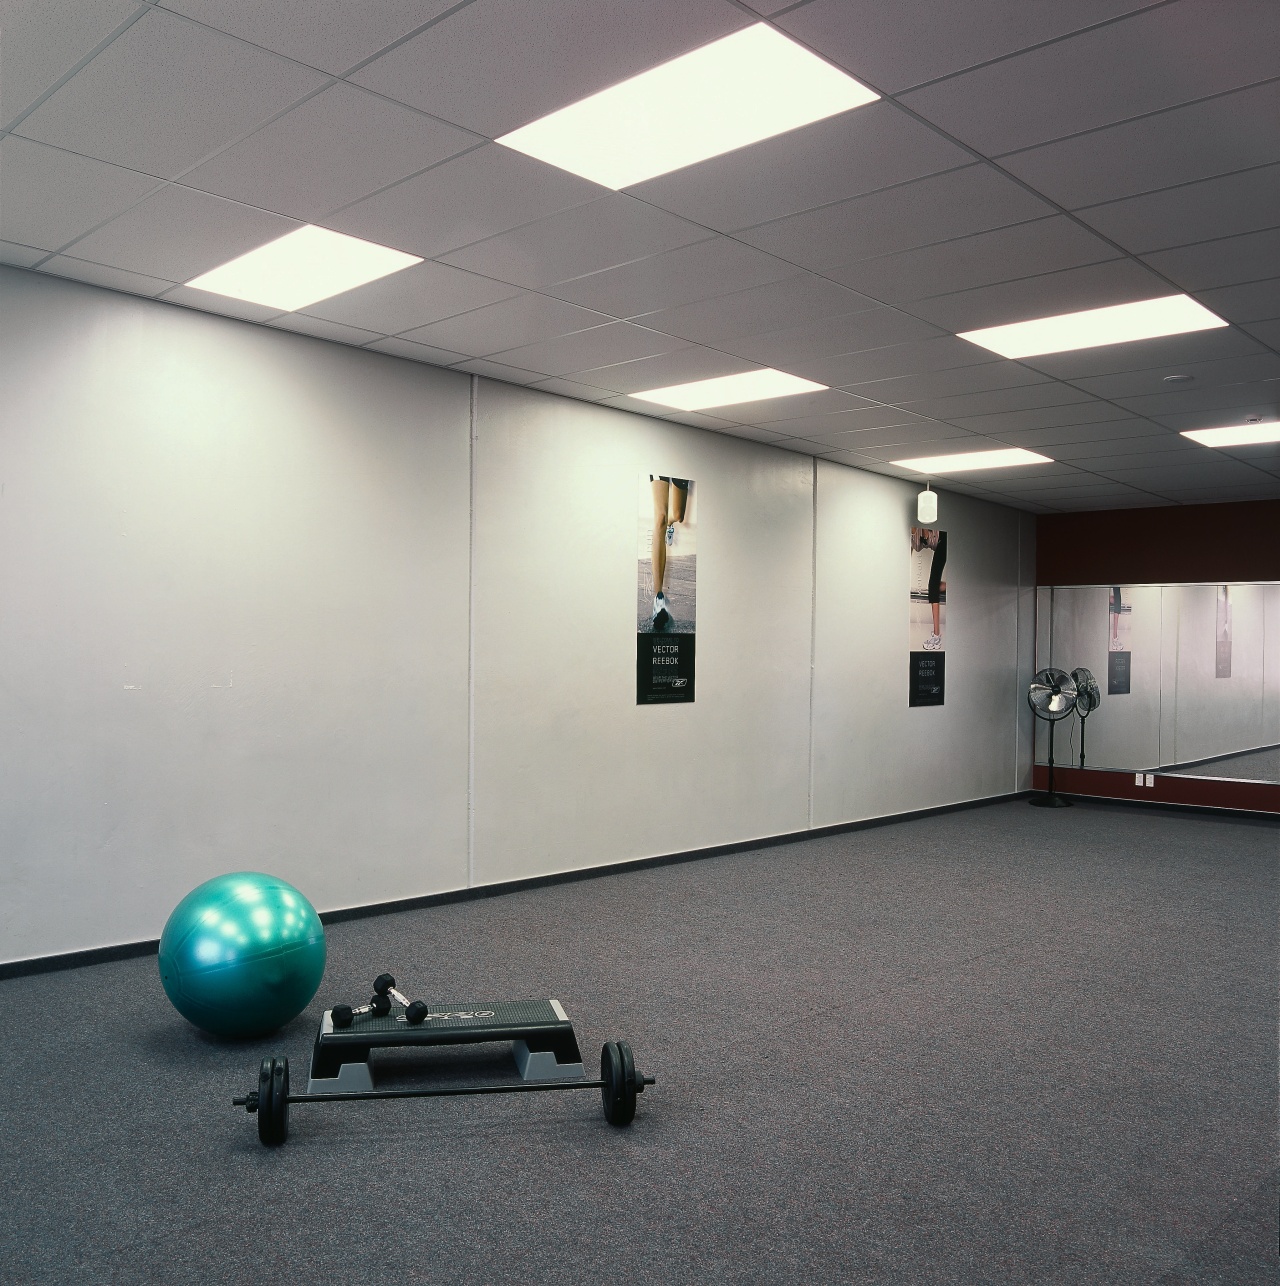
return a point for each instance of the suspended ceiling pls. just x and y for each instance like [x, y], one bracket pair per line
[1025, 159]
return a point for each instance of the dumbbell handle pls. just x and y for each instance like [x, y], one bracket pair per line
[415, 1011]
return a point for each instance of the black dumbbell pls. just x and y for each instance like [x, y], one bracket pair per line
[344, 1015]
[415, 1011]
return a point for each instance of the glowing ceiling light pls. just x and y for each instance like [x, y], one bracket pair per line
[301, 268]
[1236, 435]
[1005, 459]
[1119, 324]
[738, 90]
[731, 390]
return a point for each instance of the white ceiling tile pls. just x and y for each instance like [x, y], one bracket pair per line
[1268, 332]
[798, 406]
[797, 300]
[1112, 359]
[320, 329]
[178, 234]
[327, 152]
[1209, 209]
[938, 208]
[1089, 80]
[397, 346]
[1209, 398]
[912, 41]
[587, 349]
[411, 298]
[44, 40]
[165, 94]
[948, 383]
[525, 319]
[96, 274]
[695, 418]
[1134, 460]
[752, 433]
[829, 424]
[797, 348]
[686, 275]
[945, 440]
[572, 388]
[498, 371]
[1095, 286]
[20, 256]
[1205, 375]
[801, 446]
[861, 151]
[1232, 132]
[333, 35]
[1218, 471]
[49, 197]
[498, 64]
[1230, 261]
[853, 368]
[1055, 436]
[203, 301]
[1001, 423]
[1161, 443]
[1254, 301]
[665, 369]
[986, 258]
[997, 400]
[464, 200]
[572, 243]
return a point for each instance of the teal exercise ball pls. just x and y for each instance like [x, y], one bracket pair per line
[242, 954]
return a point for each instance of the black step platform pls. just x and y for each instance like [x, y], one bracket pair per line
[542, 1040]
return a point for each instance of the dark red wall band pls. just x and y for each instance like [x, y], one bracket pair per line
[1204, 792]
[1165, 546]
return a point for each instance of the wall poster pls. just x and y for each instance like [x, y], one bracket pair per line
[1222, 634]
[928, 598]
[666, 589]
[1119, 619]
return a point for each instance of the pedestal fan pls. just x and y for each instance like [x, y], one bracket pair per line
[1088, 699]
[1051, 696]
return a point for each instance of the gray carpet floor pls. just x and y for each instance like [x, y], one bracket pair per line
[992, 1046]
[1252, 765]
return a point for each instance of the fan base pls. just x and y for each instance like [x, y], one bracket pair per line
[1050, 801]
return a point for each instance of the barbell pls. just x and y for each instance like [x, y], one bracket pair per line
[619, 1083]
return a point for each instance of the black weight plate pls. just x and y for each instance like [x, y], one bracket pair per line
[266, 1090]
[280, 1101]
[619, 1099]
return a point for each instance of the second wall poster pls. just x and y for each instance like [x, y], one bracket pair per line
[928, 597]
[666, 589]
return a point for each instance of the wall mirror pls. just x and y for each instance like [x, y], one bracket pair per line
[1189, 677]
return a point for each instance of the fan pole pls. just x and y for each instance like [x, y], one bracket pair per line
[1083, 717]
[1052, 799]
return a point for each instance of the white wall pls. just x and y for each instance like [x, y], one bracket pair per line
[1217, 716]
[873, 755]
[1124, 731]
[1271, 665]
[268, 602]
[570, 772]
[233, 598]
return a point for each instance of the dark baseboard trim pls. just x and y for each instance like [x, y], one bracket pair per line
[128, 950]
[1250, 815]
[1216, 759]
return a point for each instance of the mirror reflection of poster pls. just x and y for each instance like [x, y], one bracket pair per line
[1119, 621]
[666, 589]
[1222, 634]
[928, 599]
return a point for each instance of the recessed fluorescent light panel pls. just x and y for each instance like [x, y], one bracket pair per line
[302, 268]
[1238, 435]
[748, 86]
[973, 460]
[1119, 324]
[730, 390]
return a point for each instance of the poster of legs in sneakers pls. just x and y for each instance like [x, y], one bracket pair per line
[928, 630]
[666, 589]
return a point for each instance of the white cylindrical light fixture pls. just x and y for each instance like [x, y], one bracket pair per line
[927, 506]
